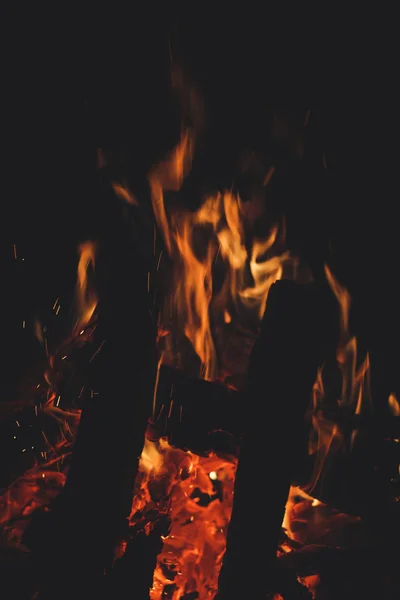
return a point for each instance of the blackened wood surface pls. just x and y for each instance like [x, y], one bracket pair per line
[287, 355]
[90, 514]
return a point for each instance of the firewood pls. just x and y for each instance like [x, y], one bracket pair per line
[133, 572]
[196, 415]
[369, 571]
[92, 509]
[188, 411]
[297, 325]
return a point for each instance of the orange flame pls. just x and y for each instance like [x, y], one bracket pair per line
[197, 241]
[344, 301]
[355, 397]
[122, 192]
[394, 405]
[168, 176]
[86, 298]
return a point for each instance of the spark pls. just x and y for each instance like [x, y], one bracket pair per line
[159, 260]
[15, 251]
[55, 303]
[17, 422]
[58, 400]
[97, 351]
[268, 176]
[23, 324]
[58, 309]
[171, 404]
[161, 411]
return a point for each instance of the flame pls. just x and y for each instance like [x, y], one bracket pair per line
[355, 388]
[355, 396]
[264, 273]
[201, 490]
[394, 405]
[86, 299]
[213, 237]
[150, 460]
[122, 192]
[168, 176]
[344, 301]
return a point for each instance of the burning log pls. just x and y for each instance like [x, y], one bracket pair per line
[296, 328]
[80, 531]
[196, 415]
[203, 416]
[344, 570]
[135, 569]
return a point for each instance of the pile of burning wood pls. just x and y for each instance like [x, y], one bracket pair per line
[206, 508]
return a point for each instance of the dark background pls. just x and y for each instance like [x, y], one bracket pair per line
[113, 91]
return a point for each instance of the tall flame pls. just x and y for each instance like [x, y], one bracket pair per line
[355, 388]
[211, 238]
[355, 395]
[168, 176]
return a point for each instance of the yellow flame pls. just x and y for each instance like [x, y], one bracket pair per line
[193, 296]
[151, 459]
[264, 272]
[196, 241]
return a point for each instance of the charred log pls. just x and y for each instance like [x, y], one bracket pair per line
[81, 529]
[135, 569]
[291, 345]
[367, 572]
[195, 414]
[187, 408]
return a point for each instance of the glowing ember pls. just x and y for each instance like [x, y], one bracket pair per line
[200, 512]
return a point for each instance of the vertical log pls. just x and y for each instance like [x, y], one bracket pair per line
[79, 533]
[282, 371]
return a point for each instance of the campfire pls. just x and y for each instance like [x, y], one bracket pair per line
[207, 427]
